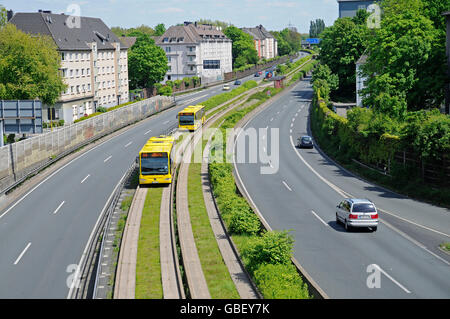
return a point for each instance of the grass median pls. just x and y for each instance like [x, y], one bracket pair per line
[148, 267]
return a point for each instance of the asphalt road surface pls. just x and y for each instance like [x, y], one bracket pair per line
[43, 233]
[400, 260]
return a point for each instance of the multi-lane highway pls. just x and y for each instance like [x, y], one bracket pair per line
[302, 195]
[44, 232]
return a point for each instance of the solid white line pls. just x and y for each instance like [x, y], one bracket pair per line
[287, 186]
[107, 159]
[60, 205]
[147, 132]
[292, 124]
[321, 220]
[166, 122]
[129, 144]
[21, 255]
[84, 179]
[392, 279]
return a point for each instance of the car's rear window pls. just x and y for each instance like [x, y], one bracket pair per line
[306, 139]
[363, 208]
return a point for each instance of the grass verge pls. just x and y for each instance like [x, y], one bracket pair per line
[148, 267]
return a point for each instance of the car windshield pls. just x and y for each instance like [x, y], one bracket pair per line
[186, 119]
[363, 208]
[306, 139]
[155, 165]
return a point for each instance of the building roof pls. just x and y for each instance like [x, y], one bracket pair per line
[191, 33]
[258, 32]
[128, 41]
[58, 27]
[362, 59]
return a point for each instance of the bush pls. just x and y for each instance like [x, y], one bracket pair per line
[244, 221]
[165, 90]
[273, 247]
[102, 109]
[280, 282]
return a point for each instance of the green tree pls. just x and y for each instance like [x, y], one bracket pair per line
[342, 45]
[29, 67]
[406, 64]
[323, 72]
[243, 47]
[160, 29]
[147, 63]
[3, 16]
[316, 27]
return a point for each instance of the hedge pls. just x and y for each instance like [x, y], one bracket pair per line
[265, 254]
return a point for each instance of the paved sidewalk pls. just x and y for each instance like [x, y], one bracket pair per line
[126, 267]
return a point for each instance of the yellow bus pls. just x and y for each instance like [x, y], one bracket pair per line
[155, 161]
[191, 118]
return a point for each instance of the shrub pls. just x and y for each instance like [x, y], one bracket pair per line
[244, 221]
[165, 90]
[273, 247]
[280, 282]
[102, 109]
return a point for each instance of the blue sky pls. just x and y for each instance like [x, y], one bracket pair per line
[273, 14]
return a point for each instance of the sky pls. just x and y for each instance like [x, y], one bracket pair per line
[272, 14]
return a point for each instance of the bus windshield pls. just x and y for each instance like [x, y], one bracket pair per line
[186, 119]
[154, 164]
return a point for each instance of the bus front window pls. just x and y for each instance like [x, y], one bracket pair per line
[154, 164]
[186, 119]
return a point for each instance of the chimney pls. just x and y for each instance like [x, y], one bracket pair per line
[10, 14]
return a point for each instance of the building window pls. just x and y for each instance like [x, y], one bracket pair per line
[168, 49]
[211, 64]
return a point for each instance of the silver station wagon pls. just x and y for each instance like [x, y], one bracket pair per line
[354, 212]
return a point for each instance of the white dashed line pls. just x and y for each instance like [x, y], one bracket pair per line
[107, 159]
[321, 220]
[129, 144]
[21, 255]
[147, 132]
[287, 186]
[84, 179]
[59, 207]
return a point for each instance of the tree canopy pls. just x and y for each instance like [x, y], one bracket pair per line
[407, 62]
[147, 63]
[243, 47]
[341, 47]
[29, 67]
[316, 27]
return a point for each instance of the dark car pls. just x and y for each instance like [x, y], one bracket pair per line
[305, 142]
[237, 82]
[257, 75]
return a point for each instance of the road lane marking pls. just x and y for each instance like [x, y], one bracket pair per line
[84, 179]
[107, 159]
[147, 132]
[287, 186]
[392, 279]
[320, 219]
[59, 207]
[166, 122]
[128, 144]
[21, 255]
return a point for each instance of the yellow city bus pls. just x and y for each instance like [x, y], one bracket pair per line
[191, 118]
[155, 161]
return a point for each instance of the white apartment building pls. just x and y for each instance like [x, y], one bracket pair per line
[265, 43]
[196, 50]
[94, 63]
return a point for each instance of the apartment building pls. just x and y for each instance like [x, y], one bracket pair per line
[196, 50]
[348, 8]
[265, 43]
[94, 63]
